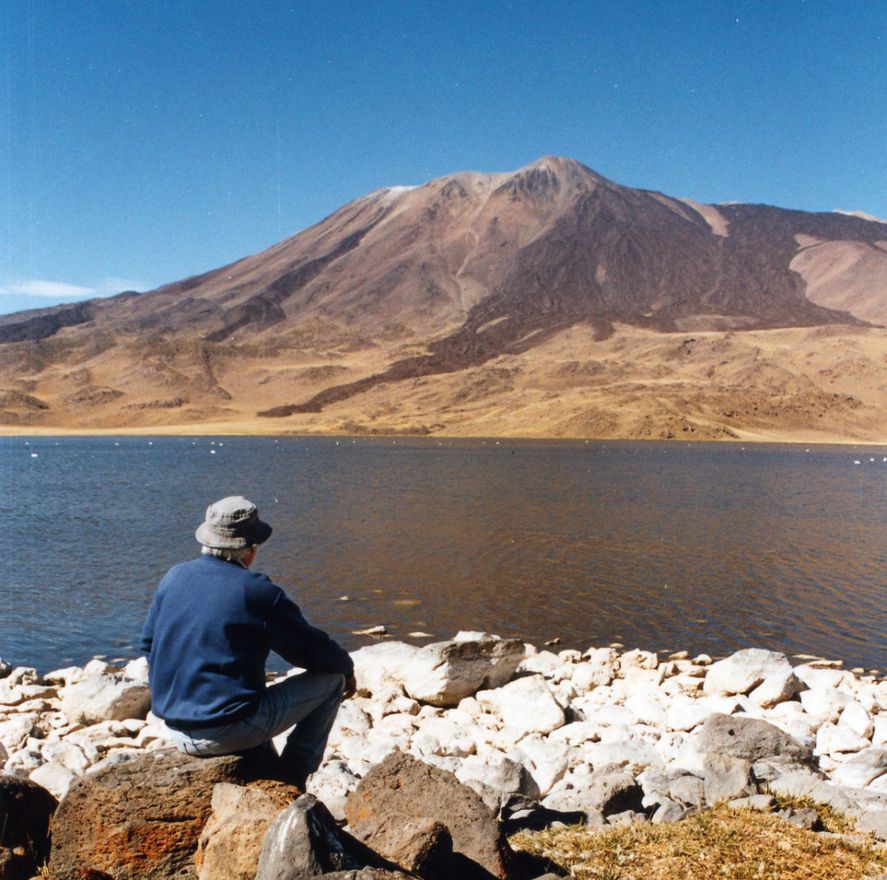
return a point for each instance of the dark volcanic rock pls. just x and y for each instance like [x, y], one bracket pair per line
[402, 790]
[25, 811]
[140, 819]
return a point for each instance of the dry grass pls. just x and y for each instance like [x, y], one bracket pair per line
[721, 843]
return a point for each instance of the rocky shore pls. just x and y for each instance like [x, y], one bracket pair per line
[529, 737]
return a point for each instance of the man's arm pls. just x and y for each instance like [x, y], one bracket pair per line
[304, 645]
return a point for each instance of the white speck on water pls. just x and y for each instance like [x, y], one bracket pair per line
[35, 455]
[150, 443]
[857, 461]
[212, 452]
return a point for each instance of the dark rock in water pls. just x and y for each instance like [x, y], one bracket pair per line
[748, 738]
[25, 811]
[403, 789]
[140, 819]
[305, 841]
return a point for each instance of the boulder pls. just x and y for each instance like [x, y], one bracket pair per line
[525, 705]
[744, 670]
[231, 840]
[104, 698]
[857, 718]
[25, 812]
[833, 739]
[726, 777]
[600, 794]
[53, 777]
[443, 673]
[747, 738]
[140, 818]
[404, 789]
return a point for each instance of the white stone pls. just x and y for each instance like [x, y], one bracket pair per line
[685, 713]
[586, 676]
[546, 761]
[870, 696]
[825, 703]
[451, 739]
[16, 730]
[647, 708]
[65, 676]
[444, 673]
[543, 663]
[857, 719]
[525, 704]
[54, 777]
[575, 733]
[819, 677]
[103, 698]
[830, 739]
[627, 752]
[68, 755]
[499, 773]
[861, 769]
[382, 666]
[22, 762]
[97, 667]
[744, 670]
[638, 659]
[137, 670]
[776, 688]
[879, 734]
[332, 784]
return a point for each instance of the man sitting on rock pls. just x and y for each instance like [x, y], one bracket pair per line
[209, 630]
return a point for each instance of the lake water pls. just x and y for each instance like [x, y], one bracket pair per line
[703, 547]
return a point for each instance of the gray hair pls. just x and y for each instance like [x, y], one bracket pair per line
[229, 554]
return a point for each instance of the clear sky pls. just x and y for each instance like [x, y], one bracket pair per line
[143, 142]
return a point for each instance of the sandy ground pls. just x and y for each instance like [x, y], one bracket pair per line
[808, 385]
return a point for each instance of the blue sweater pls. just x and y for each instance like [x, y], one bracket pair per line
[208, 633]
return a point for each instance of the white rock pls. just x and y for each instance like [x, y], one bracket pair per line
[65, 676]
[685, 714]
[332, 784]
[451, 739]
[137, 670]
[633, 753]
[575, 733]
[861, 769]
[830, 739]
[744, 670]
[443, 673]
[525, 705]
[546, 761]
[776, 688]
[383, 666]
[879, 734]
[647, 708]
[825, 703]
[16, 730]
[637, 659]
[870, 696]
[819, 677]
[97, 667]
[542, 663]
[22, 762]
[857, 719]
[103, 698]
[68, 755]
[350, 719]
[586, 676]
[499, 773]
[54, 778]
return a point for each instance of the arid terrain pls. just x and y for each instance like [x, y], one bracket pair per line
[549, 302]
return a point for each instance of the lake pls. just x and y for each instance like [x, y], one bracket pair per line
[664, 546]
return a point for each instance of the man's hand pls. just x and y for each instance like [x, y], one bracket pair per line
[350, 687]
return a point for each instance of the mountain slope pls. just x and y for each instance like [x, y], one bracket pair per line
[441, 280]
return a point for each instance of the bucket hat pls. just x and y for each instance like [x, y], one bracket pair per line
[232, 523]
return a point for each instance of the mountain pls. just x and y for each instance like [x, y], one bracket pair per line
[548, 302]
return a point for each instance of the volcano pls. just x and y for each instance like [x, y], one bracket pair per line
[545, 302]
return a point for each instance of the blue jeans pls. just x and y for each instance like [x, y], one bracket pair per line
[309, 700]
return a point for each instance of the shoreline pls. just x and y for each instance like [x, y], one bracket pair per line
[508, 718]
[215, 430]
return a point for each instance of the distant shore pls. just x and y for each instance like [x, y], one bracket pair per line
[238, 430]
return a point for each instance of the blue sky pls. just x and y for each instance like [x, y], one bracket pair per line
[142, 142]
